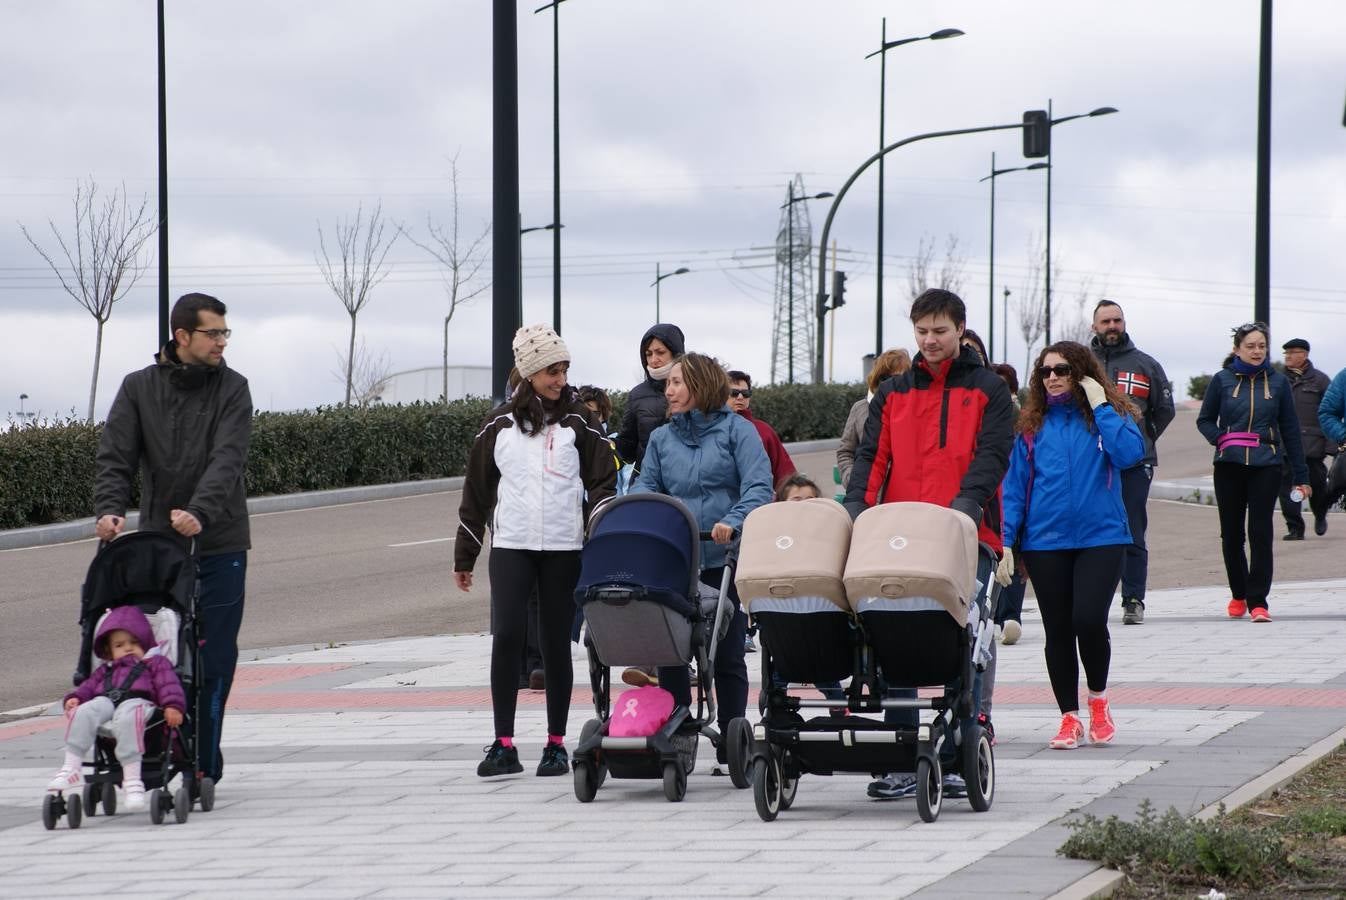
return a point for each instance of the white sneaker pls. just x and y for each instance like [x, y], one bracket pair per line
[1013, 631]
[67, 780]
[135, 796]
[1000, 632]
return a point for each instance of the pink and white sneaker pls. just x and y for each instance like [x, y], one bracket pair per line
[66, 780]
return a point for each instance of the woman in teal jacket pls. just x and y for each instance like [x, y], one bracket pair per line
[1064, 513]
[713, 461]
[1248, 414]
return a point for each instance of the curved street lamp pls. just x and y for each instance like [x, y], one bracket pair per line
[882, 53]
[681, 270]
[990, 309]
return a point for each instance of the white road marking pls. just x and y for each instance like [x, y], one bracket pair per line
[418, 543]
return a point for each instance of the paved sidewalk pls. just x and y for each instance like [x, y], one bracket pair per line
[351, 773]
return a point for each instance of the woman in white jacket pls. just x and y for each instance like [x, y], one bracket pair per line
[536, 473]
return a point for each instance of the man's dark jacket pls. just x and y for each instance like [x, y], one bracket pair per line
[1308, 388]
[186, 428]
[1142, 379]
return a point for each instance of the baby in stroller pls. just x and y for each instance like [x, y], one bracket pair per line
[124, 691]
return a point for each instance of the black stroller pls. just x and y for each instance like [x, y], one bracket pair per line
[644, 605]
[155, 573]
[905, 616]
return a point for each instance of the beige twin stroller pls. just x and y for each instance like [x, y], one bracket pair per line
[888, 603]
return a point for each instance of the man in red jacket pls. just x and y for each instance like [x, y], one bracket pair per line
[941, 433]
[740, 401]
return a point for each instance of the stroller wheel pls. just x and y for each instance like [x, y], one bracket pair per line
[586, 785]
[50, 811]
[929, 789]
[738, 752]
[979, 770]
[206, 793]
[788, 786]
[766, 787]
[600, 769]
[109, 799]
[156, 805]
[675, 782]
[182, 805]
[73, 810]
[91, 795]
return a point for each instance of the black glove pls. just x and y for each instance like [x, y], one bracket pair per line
[968, 508]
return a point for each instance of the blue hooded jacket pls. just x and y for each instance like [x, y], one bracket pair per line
[715, 464]
[1076, 496]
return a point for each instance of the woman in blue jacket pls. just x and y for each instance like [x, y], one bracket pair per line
[1064, 512]
[1248, 414]
[713, 461]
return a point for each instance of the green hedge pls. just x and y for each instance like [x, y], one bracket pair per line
[47, 472]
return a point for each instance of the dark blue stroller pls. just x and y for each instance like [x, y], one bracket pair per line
[645, 606]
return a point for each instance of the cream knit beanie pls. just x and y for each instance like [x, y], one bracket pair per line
[536, 347]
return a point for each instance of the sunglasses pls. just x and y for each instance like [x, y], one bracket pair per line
[1060, 370]
[745, 393]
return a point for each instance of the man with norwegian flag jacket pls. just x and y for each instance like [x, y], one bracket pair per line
[1140, 377]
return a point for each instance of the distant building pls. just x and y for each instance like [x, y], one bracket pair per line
[428, 384]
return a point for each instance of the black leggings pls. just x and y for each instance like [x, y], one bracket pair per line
[1247, 491]
[514, 574]
[1074, 590]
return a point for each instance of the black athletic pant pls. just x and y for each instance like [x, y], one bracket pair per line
[1074, 590]
[731, 671]
[514, 575]
[1247, 491]
[1291, 510]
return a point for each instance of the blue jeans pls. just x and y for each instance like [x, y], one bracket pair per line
[221, 585]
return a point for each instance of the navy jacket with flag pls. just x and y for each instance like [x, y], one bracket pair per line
[1142, 379]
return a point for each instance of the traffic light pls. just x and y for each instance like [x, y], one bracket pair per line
[838, 288]
[1037, 134]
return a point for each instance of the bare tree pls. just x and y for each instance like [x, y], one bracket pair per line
[362, 252]
[1075, 315]
[103, 259]
[462, 259]
[951, 268]
[1032, 302]
[369, 375]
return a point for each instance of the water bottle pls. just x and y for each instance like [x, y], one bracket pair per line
[1296, 495]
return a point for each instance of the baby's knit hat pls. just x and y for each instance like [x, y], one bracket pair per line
[536, 347]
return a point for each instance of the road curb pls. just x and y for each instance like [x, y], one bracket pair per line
[1103, 882]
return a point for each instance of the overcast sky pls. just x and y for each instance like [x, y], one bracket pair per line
[681, 123]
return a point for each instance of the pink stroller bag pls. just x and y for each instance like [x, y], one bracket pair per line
[640, 712]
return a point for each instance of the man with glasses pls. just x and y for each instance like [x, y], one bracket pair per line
[1142, 379]
[740, 401]
[1308, 386]
[184, 423]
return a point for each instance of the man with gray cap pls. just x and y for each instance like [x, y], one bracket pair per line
[1140, 377]
[1307, 387]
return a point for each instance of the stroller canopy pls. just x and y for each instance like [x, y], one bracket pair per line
[646, 540]
[146, 568]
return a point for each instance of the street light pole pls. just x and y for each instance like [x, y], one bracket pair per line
[164, 334]
[552, 227]
[790, 201]
[681, 270]
[882, 53]
[1004, 324]
[555, 7]
[990, 282]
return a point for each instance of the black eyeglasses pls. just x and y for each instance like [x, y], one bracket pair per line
[215, 334]
[1060, 370]
[745, 393]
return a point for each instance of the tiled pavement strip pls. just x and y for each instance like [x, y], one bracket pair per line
[351, 773]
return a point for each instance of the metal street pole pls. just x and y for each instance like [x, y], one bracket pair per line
[884, 46]
[1048, 275]
[505, 254]
[995, 173]
[1004, 323]
[163, 189]
[821, 306]
[552, 227]
[1262, 237]
[555, 7]
[681, 270]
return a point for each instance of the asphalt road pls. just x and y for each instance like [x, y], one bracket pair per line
[383, 569]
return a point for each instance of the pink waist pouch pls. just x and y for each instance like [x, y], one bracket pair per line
[640, 712]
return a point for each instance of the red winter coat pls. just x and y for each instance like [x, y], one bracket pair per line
[782, 467]
[941, 436]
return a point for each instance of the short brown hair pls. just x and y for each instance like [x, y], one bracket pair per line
[706, 380]
[893, 361]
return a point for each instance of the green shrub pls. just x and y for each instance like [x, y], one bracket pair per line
[805, 412]
[46, 472]
[1196, 386]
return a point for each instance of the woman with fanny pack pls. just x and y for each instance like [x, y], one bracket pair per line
[1248, 414]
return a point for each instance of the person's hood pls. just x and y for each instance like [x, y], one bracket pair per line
[1096, 343]
[189, 377]
[967, 357]
[672, 338]
[692, 426]
[126, 618]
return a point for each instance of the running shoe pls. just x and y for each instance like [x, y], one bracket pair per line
[66, 780]
[954, 786]
[1070, 735]
[555, 761]
[1101, 728]
[500, 760]
[1261, 614]
[1237, 608]
[893, 787]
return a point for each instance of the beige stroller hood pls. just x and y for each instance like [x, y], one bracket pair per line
[913, 551]
[794, 553]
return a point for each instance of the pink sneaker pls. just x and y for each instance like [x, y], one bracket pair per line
[1070, 735]
[1101, 729]
[1237, 609]
[66, 780]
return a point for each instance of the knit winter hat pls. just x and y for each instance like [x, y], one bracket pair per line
[536, 347]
